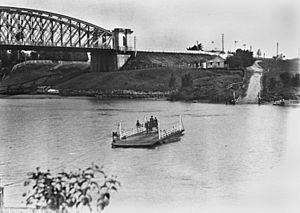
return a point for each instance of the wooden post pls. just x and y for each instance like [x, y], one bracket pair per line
[1, 196]
[158, 129]
[180, 123]
[120, 130]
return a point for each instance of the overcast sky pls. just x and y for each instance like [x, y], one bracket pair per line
[173, 25]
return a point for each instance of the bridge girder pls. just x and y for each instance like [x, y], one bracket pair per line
[35, 28]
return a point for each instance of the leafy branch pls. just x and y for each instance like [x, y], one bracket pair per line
[84, 188]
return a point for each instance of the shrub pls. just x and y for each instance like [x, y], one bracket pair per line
[285, 78]
[70, 190]
[240, 59]
[186, 80]
[172, 81]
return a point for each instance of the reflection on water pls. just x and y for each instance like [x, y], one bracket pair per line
[229, 154]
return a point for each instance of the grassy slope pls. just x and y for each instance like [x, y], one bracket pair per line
[156, 59]
[154, 79]
[31, 72]
[207, 84]
[27, 73]
[276, 67]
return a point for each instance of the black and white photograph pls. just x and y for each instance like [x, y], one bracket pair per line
[154, 106]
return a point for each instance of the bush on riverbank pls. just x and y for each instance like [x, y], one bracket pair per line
[281, 79]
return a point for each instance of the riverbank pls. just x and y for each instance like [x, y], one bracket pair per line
[281, 79]
[207, 85]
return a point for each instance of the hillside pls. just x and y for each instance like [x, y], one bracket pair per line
[281, 79]
[206, 84]
[151, 79]
[26, 78]
[162, 59]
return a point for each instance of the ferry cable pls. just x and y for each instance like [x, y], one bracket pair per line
[54, 169]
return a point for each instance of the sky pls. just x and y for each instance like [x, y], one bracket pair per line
[174, 25]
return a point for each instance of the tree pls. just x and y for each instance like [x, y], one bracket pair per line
[258, 53]
[196, 47]
[70, 190]
[272, 83]
[186, 80]
[172, 81]
[240, 59]
[285, 78]
[296, 80]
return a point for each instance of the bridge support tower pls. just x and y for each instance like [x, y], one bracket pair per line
[108, 60]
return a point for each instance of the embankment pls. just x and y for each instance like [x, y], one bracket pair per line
[145, 75]
[144, 60]
[281, 79]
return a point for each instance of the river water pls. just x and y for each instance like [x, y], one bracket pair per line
[242, 158]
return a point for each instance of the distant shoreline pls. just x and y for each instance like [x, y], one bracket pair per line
[50, 96]
[39, 96]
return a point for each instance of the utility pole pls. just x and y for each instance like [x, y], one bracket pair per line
[235, 42]
[134, 44]
[222, 42]
[212, 45]
[1, 196]
[277, 48]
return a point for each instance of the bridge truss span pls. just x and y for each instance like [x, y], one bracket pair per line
[35, 28]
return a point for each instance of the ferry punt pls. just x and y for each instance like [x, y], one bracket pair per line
[147, 135]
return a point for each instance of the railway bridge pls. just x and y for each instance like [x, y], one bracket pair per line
[29, 29]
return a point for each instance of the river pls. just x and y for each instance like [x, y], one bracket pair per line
[231, 159]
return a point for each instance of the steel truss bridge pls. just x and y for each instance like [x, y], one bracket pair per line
[34, 29]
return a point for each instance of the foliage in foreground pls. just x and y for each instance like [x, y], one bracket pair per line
[89, 188]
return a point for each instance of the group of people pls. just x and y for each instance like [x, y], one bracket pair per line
[149, 125]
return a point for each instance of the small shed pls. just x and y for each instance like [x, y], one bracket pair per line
[216, 62]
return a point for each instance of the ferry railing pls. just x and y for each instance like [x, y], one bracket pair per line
[163, 133]
[130, 132]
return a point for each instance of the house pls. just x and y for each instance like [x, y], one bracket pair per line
[215, 62]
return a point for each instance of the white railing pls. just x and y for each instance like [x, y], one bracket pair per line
[163, 133]
[130, 132]
[133, 131]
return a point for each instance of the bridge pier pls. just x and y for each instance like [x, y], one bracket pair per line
[108, 61]
[103, 61]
